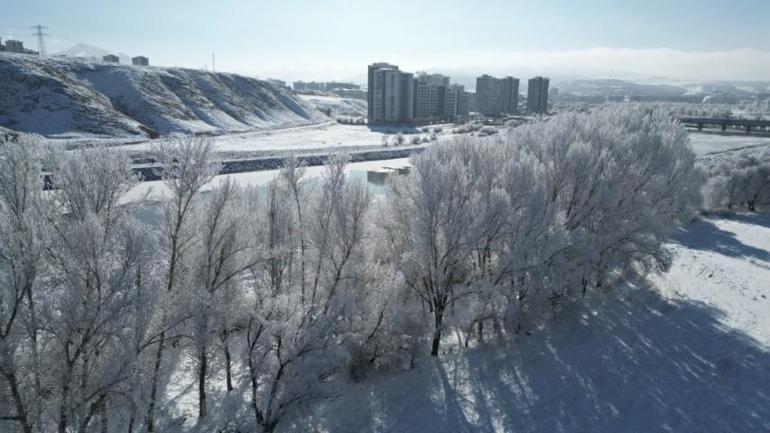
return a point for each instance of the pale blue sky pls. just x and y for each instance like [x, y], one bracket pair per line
[321, 39]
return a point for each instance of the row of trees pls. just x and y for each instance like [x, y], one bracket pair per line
[110, 306]
[738, 180]
[105, 302]
[502, 232]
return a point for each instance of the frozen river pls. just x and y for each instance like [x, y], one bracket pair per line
[156, 190]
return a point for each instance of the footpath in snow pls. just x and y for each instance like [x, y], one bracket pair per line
[687, 352]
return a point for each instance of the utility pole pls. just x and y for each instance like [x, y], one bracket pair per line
[213, 63]
[40, 40]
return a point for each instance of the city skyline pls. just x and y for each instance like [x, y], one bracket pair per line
[321, 41]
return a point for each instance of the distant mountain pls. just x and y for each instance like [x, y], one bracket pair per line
[736, 88]
[615, 87]
[74, 97]
[86, 51]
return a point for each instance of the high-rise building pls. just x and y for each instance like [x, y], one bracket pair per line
[438, 88]
[390, 94]
[422, 107]
[497, 95]
[464, 103]
[406, 104]
[456, 102]
[508, 96]
[430, 93]
[487, 92]
[537, 95]
[472, 101]
[111, 58]
[450, 102]
[371, 91]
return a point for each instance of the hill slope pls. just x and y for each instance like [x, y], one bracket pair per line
[69, 98]
[345, 107]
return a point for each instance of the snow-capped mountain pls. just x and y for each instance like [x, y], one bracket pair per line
[68, 97]
[90, 52]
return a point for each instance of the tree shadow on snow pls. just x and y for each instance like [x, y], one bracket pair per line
[635, 365]
[705, 235]
[759, 219]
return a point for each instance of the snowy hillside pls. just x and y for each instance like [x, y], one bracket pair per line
[687, 353]
[69, 98]
[343, 107]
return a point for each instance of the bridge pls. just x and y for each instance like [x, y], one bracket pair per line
[724, 123]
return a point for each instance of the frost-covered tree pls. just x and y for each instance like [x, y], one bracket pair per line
[430, 212]
[739, 180]
[94, 289]
[187, 165]
[21, 250]
[617, 176]
[513, 227]
[219, 260]
[101, 304]
[301, 291]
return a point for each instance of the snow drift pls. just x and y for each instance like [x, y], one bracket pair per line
[65, 97]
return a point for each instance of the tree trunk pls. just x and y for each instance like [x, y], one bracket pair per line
[105, 420]
[269, 427]
[202, 383]
[497, 327]
[63, 420]
[35, 356]
[21, 411]
[468, 335]
[228, 364]
[131, 422]
[150, 418]
[254, 385]
[438, 315]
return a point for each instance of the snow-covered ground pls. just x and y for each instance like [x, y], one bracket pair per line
[706, 144]
[688, 352]
[725, 263]
[342, 107]
[328, 136]
[332, 136]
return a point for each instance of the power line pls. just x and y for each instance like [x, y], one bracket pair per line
[40, 39]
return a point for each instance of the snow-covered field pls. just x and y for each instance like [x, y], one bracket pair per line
[709, 145]
[688, 353]
[725, 263]
[324, 138]
[315, 137]
[331, 136]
